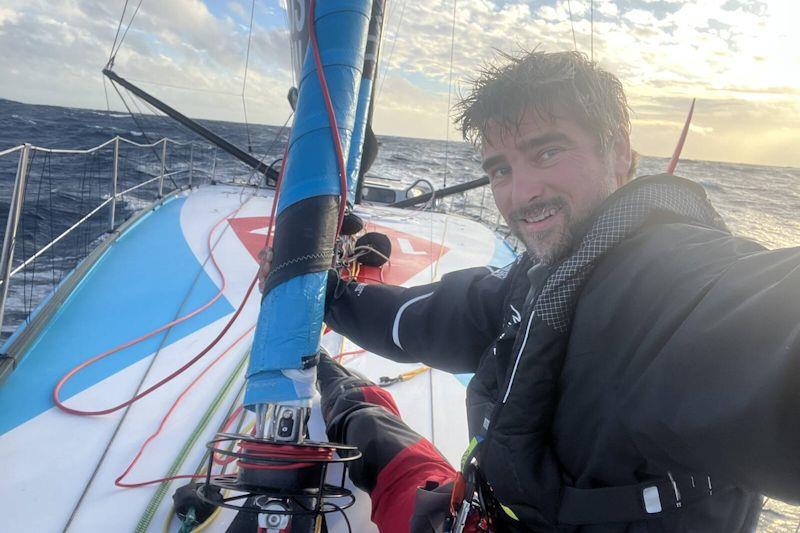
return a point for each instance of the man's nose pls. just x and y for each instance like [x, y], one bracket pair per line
[528, 186]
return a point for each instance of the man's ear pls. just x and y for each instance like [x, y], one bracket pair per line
[622, 157]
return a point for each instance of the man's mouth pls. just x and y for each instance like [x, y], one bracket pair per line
[542, 216]
[540, 219]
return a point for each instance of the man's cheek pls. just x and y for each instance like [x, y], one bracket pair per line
[502, 200]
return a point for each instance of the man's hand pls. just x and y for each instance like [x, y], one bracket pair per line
[264, 264]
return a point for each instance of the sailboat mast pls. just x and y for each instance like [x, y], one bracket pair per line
[364, 109]
[289, 328]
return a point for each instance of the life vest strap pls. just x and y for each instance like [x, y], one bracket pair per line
[631, 503]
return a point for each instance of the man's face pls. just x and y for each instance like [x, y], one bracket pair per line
[548, 177]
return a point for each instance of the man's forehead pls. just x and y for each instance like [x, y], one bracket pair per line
[500, 135]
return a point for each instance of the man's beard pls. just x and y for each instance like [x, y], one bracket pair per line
[552, 245]
[549, 246]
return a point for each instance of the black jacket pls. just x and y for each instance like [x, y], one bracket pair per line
[683, 359]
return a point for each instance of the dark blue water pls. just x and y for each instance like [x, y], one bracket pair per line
[758, 201]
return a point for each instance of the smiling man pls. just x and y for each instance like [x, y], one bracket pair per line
[635, 369]
[562, 176]
[554, 137]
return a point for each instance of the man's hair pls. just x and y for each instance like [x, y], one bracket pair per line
[545, 83]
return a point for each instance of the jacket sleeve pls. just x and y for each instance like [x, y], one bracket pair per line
[722, 393]
[446, 325]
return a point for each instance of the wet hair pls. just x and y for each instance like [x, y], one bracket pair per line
[545, 83]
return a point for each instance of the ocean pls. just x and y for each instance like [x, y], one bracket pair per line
[756, 201]
[759, 202]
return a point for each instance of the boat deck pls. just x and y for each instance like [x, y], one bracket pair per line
[160, 269]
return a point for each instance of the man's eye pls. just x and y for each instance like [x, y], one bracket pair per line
[499, 172]
[548, 154]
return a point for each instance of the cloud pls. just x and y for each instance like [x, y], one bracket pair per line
[178, 43]
[674, 125]
[8, 15]
[740, 59]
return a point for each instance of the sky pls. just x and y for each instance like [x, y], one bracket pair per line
[740, 59]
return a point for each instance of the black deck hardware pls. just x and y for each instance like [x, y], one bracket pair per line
[441, 193]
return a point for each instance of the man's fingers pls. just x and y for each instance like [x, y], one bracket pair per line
[265, 254]
[264, 264]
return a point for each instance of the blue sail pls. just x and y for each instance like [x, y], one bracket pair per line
[292, 310]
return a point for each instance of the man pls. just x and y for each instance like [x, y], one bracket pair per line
[634, 369]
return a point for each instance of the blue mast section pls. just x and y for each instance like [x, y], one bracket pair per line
[364, 98]
[356, 146]
[290, 322]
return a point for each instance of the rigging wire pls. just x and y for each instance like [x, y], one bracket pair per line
[52, 234]
[572, 25]
[118, 44]
[244, 81]
[391, 50]
[122, 39]
[142, 128]
[389, 11]
[45, 164]
[158, 154]
[181, 87]
[135, 104]
[449, 93]
[269, 148]
[119, 26]
[209, 347]
[138, 396]
[105, 91]
[167, 326]
[133, 115]
[284, 5]
[592, 27]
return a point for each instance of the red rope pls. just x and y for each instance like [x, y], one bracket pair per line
[278, 185]
[118, 482]
[238, 410]
[338, 357]
[676, 155]
[266, 451]
[66, 377]
[152, 388]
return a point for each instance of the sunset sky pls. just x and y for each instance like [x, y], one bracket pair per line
[741, 60]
